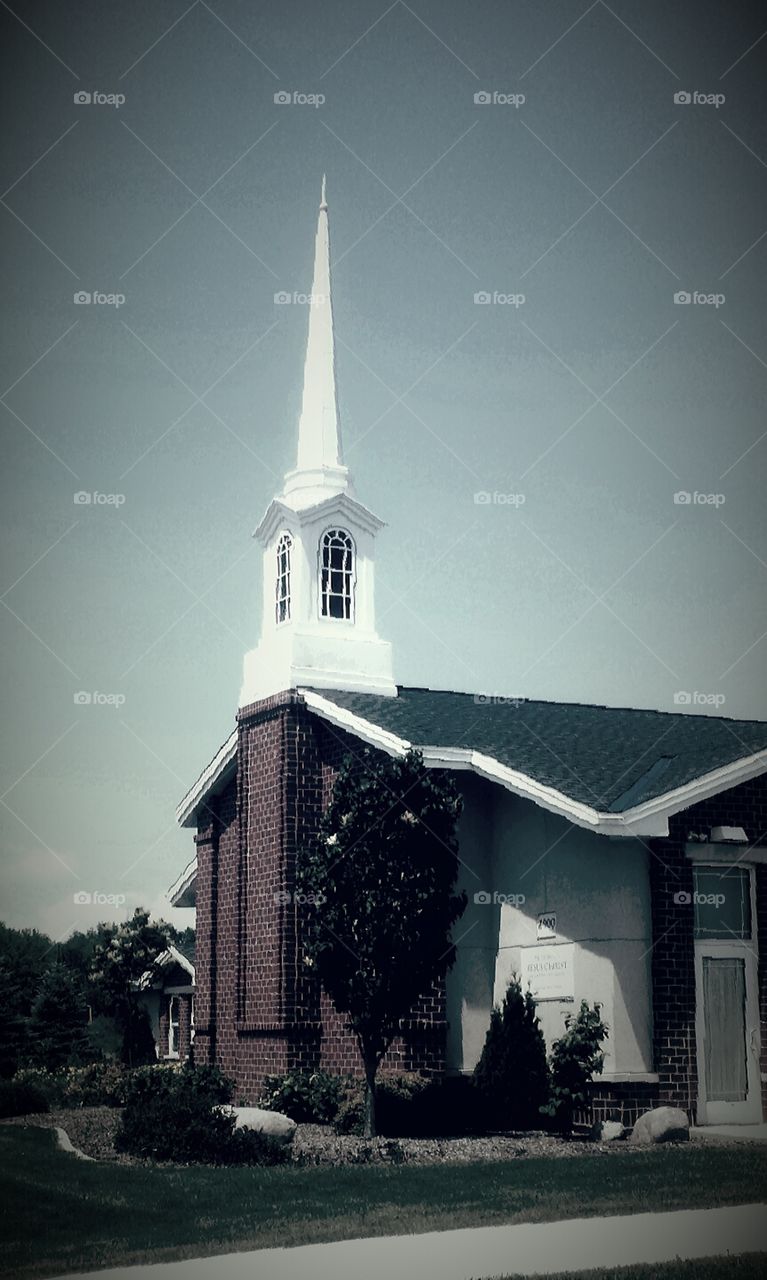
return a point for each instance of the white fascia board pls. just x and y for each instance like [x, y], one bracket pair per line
[279, 512]
[702, 788]
[223, 758]
[171, 955]
[649, 819]
[456, 758]
[175, 956]
[371, 733]
[183, 884]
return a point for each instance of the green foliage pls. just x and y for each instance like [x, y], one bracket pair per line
[120, 958]
[511, 1076]
[102, 964]
[17, 1098]
[379, 881]
[308, 1097]
[99, 1084]
[575, 1059]
[177, 1115]
[403, 1102]
[58, 1019]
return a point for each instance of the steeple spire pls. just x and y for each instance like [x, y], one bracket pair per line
[319, 471]
[318, 628]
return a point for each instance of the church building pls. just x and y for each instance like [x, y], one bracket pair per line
[609, 854]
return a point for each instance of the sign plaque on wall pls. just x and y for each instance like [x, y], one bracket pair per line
[546, 925]
[548, 971]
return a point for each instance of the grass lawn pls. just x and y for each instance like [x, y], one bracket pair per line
[749, 1266]
[62, 1214]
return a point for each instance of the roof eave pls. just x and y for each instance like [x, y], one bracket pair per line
[649, 819]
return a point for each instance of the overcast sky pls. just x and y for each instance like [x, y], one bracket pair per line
[581, 198]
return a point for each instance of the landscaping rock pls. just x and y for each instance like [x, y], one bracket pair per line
[271, 1123]
[662, 1124]
[608, 1131]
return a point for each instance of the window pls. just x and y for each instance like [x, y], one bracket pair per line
[722, 902]
[282, 590]
[173, 1027]
[337, 575]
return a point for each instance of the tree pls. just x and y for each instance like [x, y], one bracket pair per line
[512, 1076]
[120, 959]
[575, 1059]
[25, 954]
[58, 1021]
[379, 884]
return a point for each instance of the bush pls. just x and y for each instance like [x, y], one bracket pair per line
[575, 1059]
[177, 1115]
[101, 1084]
[511, 1075]
[404, 1106]
[308, 1097]
[19, 1098]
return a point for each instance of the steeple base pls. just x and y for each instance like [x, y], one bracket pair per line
[308, 658]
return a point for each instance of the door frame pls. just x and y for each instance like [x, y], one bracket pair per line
[750, 1110]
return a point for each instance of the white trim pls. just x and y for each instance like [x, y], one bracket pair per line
[649, 819]
[280, 511]
[184, 883]
[731, 854]
[209, 778]
[171, 955]
[749, 1110]
[627, 1077]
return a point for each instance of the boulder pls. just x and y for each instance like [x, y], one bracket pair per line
[608, 1131]
[271, 1123]
[662, 1124]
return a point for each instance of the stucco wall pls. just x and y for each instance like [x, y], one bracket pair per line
[599, 889]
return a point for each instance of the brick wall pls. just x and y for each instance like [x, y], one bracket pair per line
[259, 1011]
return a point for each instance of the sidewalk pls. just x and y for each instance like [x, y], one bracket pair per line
[475, 1253]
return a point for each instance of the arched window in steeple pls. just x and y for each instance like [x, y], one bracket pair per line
[282, 582]
[337, 575]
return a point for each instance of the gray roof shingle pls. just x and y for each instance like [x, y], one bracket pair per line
[610, 758]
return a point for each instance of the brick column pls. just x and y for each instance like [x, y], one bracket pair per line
[184, 1026]
[206, 944]
[673, 970]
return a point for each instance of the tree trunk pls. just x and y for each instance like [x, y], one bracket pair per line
[370, 1098]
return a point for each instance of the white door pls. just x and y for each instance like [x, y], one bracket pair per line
[727, 1005]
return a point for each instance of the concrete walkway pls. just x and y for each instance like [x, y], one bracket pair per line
[745, 1132]
[480, 1252]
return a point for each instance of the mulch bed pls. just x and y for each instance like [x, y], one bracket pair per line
[92, 1130]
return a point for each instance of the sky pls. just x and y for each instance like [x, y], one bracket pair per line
[548, 249]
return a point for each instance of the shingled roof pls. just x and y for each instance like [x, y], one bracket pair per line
[609, 758]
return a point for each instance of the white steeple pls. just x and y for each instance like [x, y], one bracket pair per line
[318, 627]
[319, 470]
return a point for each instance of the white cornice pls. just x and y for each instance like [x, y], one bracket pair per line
[280, 512]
